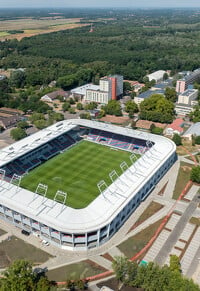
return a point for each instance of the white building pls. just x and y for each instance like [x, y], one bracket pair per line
[157, 76]
[110, 88]
[186, 101]
[81, 91]
[188, 96]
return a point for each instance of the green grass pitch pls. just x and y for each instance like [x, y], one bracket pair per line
[77, 172]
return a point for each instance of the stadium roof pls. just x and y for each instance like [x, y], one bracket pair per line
[107, 205]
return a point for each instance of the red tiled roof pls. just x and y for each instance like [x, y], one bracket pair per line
[176, 125]
[146, 124]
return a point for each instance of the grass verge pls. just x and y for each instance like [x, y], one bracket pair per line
[15, 248]
[134, 244]
[75, 271]
[182, 179]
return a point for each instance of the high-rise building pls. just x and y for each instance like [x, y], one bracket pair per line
[190, 78]
[110, 88]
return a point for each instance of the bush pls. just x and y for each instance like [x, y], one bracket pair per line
[195, 174]
[197, 139]
[177, 139]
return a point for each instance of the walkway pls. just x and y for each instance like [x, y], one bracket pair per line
[176, 232]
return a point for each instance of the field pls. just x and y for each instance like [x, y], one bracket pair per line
[182, 179]
[32, 26]
[14, 248]
[75, 271]
[77, 172]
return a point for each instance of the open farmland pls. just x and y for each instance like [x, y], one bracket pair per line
[31, 27]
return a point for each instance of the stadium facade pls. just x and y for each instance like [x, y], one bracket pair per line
[81, 229]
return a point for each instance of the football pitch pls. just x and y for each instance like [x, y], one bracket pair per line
[77, 172]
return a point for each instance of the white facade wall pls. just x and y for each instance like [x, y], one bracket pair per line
[97, 96]
[104, 85]
[187, 97]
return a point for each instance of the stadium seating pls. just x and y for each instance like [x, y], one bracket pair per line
[41, 154]
[34, 158]
[116, 140]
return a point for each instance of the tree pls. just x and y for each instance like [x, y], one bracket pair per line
[174, 264]
[85, 115]
[22, 124]
[177, 139]
[125, 270]
[151, 276]
[170, 94]
[40, 124]
[66, 106]
[72, 110]
[17, 78]
[58, 116]
[127, 87]
[157, 108]
[17, 133]
[195, 174]
[113, 108]
[165, 76]
[195, 115]
[79, 106]
[131, 108]
[197, 139]
[71, 101]
[36, 116]
[19, 276]
[133, 94]
[91, 106]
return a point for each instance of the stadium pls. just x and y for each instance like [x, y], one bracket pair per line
[76, 182]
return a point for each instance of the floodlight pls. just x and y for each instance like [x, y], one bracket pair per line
[41, 189]
[2, 175]
[60, 197]
[15, 180]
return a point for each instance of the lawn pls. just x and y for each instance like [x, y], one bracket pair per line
[15, 248]
[182, 179]
[75, 271]
[134, 244]
[77, 172]
[149, 211]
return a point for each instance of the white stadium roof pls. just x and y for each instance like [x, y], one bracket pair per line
[105, 207]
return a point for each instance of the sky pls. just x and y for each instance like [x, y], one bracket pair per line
[99, 3]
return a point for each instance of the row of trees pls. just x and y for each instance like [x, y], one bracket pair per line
[151, 277]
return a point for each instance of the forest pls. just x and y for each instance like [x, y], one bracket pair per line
[131, 43]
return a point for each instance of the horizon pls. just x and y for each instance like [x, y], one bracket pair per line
[130, 4]
[101, 7]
